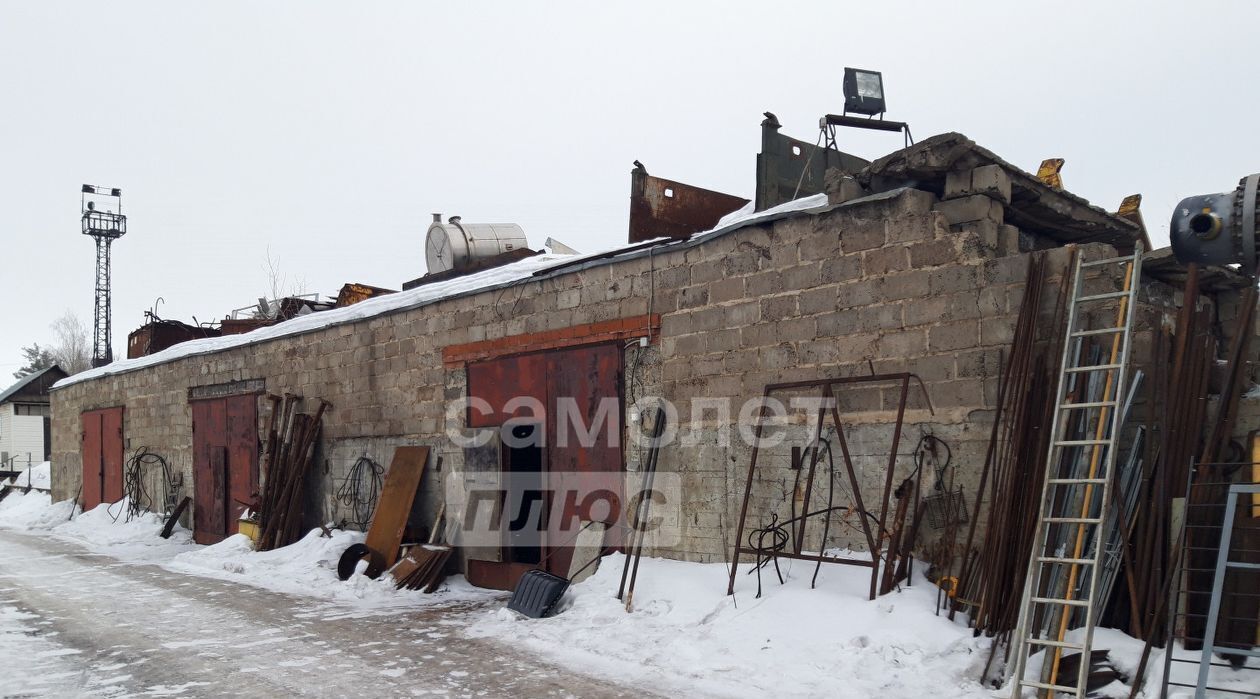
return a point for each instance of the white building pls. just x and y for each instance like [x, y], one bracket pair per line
[24, 419]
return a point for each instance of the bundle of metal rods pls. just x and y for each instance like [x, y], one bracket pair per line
[993, 572]
[290, 454]
[1188, 435]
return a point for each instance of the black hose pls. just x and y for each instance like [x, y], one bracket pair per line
[137, 496]
[361, 489]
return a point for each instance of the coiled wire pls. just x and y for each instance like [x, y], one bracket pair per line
[360, 490]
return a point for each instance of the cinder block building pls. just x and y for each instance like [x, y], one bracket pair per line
[912, 263]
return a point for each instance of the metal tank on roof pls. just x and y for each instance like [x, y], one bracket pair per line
[456, 245]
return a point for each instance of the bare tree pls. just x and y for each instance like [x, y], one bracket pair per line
[278, 285]
[72, 348]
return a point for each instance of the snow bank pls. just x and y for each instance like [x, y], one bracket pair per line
[309, 568]
[103, 529]
[794, 641]
[38, 477]
[33, 511]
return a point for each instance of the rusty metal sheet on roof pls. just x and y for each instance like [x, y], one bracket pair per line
[354, 292]
[661, 208]
[394, 507]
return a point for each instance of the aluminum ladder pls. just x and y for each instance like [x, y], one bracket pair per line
[1068, 497]
[1223, 566]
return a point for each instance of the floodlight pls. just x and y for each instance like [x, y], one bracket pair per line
[863, 91]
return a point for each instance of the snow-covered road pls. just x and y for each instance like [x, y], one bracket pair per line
[75, 623]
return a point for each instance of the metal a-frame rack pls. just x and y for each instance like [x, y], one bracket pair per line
[1069, 495]
[828, 404]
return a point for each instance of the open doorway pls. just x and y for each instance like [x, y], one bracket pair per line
[526, 506]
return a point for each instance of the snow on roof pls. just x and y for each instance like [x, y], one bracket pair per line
[487, 280]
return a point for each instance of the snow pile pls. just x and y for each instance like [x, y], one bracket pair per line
[309, 567]
[103, 529]
[33, 511]
[794, 641]
[38, 477]
[829, 641]
[1254, 393]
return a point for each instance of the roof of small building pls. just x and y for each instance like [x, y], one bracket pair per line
[27, 380]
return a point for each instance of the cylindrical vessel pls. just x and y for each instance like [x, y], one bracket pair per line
[456, 245]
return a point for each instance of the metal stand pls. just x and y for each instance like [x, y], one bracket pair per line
[828, 404]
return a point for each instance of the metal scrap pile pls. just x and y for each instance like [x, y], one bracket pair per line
[289, 456]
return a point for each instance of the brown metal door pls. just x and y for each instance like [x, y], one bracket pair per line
[225, 464]
[581, 382]
[102, 454]
[242, 455]
[585, 376]
[209, 478]
[498, 381]
[112, 454]
[93, 468]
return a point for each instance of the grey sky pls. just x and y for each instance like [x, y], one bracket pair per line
[329, 131]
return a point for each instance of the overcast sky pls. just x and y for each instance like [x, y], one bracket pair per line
[328, 132]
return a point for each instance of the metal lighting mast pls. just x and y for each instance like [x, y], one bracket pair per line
[105, 227]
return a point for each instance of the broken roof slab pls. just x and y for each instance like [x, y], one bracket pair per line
[1035, 206]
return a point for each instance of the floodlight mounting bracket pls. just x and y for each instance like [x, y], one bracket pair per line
[829, 121]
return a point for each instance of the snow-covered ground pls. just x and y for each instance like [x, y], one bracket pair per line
[307, 568]
[684, 636]
[46, 667]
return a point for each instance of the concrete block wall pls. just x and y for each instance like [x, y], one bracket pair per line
[889, 284]
[896, 282]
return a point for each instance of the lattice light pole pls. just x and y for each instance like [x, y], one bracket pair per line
[105, 227]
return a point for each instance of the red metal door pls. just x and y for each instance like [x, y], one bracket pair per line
[579, 385]
[584, 444]
[90, 451]
[112, 454]
[102, 454]
[207, 526]
[225, 464]
[242, 456]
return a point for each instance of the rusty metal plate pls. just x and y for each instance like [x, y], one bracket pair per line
[664, 208]
[394, 506]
